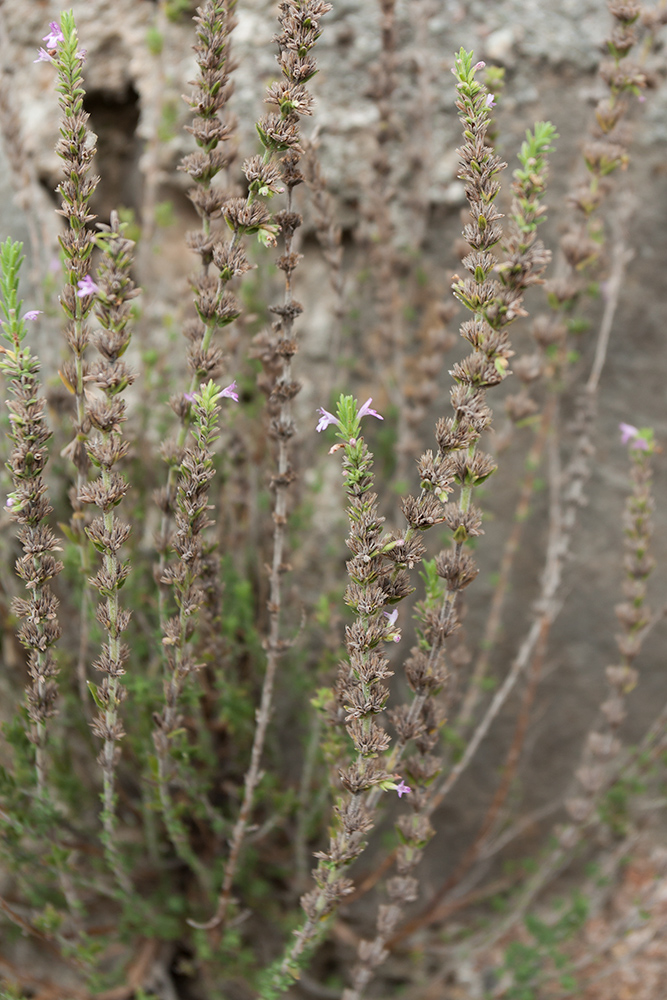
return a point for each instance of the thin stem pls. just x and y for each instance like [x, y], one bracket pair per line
[548, 603]
[305, 804]
[274, 645]
[196, 473]
[621, 258]
[279, 133]
[513, 755]
[494, 621]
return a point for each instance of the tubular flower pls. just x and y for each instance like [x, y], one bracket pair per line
[632, 435]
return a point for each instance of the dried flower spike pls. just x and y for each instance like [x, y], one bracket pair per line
[184, 575]
[76, 148]
[216, 307]
[360, 693]
[115, 290]
[279, 133]
[29, 506]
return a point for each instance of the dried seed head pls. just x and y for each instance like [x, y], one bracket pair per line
[422, 513]
[529, 368]
[520, 406]
[230, 260]
[548, 330]
[458, 571]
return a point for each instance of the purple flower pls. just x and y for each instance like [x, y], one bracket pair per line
[326, 419]
[43, 56]
[479, 65]
[628, 432]
[366, 410]
[32, 314]
[86, 287]
[54, 36]
[230, 392]
[490, 103]
[630, 435]
[402, 789]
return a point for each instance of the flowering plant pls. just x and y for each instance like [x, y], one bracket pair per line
[209, 690]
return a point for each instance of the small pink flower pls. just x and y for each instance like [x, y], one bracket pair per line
[490, 103]
[32, 314]
[402, 789]
[326, 419]
[54, 36]
[231, 392]
[479, 65]
[86, 287]
[366, 410]
[641, 98]
[628, 432]
[189, 396]
[630, 435]
[43, 56]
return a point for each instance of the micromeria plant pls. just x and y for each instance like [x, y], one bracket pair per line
[494, 303]
[279, 133]
[190, 467]
[184, 575]
[582, 245]
[603, 745]
[360, 689]
[28, 505]
[215, 305]
[76, 148]
[114, 291]
[191, 879]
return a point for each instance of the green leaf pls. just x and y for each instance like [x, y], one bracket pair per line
[93, 690]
